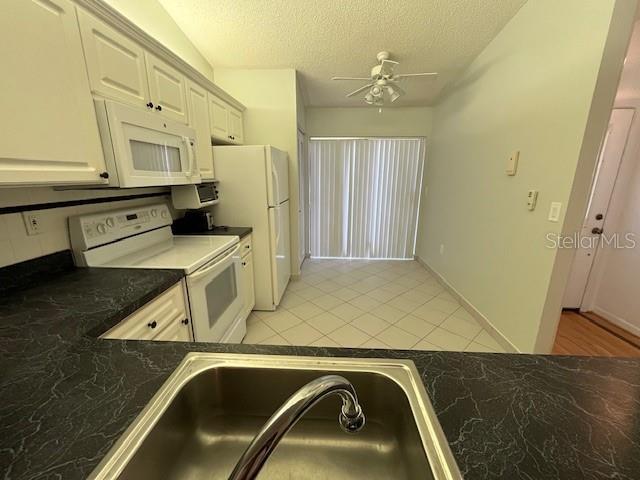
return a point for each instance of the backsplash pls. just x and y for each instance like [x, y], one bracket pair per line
[16, 246]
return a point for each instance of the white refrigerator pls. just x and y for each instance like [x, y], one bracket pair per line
[254, 192]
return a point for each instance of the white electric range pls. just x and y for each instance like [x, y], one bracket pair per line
[141, 237]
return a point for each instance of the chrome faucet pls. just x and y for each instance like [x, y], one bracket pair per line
[351, 420]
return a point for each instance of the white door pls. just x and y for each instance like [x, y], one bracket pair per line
[303, 195]
[280, 250]
[48, 127]
[115, 63]
[167, 88]
[278, 186]
[199, 121]
[603, 182]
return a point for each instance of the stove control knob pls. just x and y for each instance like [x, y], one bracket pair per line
[101, 228]
[164, 214]
[110, 222]
[154, 212]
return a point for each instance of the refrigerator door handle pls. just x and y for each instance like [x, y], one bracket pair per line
[276, 185]
[276, 217]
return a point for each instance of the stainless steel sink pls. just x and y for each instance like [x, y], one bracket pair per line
[201, 420]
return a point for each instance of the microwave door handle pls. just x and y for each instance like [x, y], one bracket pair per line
[189, 148]
[216, 264]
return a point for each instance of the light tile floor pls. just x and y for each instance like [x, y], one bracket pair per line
[369, 304]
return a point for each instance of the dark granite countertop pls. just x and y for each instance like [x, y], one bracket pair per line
[219, 230]
[67, 396]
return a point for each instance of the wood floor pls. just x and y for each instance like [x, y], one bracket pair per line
[579, 335]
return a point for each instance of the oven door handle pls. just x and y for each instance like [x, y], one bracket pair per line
[216, 264]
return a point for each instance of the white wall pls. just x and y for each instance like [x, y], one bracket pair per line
[16, 246]
[271, 118]
[151, 17]
[367, 122]
[530, 90]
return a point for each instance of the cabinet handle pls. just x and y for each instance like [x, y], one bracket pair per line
[159, 108]
[244, 264]
[150, 105]
[247, 246]
[153, 324]
[185, 321]
[104, 175]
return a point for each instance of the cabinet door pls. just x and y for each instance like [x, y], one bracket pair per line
[49, 128]
[167, 89]
[115, 64]
[199, 121]
[235, 126]
[218, 118]
[247, 278]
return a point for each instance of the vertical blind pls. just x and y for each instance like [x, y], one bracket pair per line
[364, 195]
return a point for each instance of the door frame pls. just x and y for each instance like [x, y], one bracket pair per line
[603, 183]
[303, 197]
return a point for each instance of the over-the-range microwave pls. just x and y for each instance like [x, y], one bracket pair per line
[143, 149]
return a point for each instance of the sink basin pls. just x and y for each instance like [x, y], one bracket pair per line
[201, 420]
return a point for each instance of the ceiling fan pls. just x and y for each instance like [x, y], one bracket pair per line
[383, 81]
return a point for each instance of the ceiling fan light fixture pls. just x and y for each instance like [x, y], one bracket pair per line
[382, 81]
[377, 91]
[393, 93]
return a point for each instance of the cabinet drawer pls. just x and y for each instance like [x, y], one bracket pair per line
[150, 321]
[246, 247]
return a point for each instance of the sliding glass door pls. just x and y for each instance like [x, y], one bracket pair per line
[364, 196]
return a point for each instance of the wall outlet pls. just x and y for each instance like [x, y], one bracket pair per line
[441, 249]
[32, 223]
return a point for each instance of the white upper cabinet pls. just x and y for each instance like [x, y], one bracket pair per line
[49, 128]
[199, 121]
[236, 130]
[219, 118]
[115, 64]
[226, 121]
[167, 88]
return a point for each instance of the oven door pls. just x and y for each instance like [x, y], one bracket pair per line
[148, 150]
[216, 296]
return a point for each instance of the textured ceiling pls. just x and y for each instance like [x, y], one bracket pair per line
[323, 38]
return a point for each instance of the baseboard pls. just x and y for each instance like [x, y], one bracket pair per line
[616, 320]
[482, 320]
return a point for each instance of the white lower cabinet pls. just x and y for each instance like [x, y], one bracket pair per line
[247, 274]
[166, 317]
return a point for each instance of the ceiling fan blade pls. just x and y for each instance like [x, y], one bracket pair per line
[350, 78]
[389, 61]
[355, 92]
[405, 75]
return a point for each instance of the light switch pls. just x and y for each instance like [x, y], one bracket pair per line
[532, 199]
[554, 211]
[512, 163]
